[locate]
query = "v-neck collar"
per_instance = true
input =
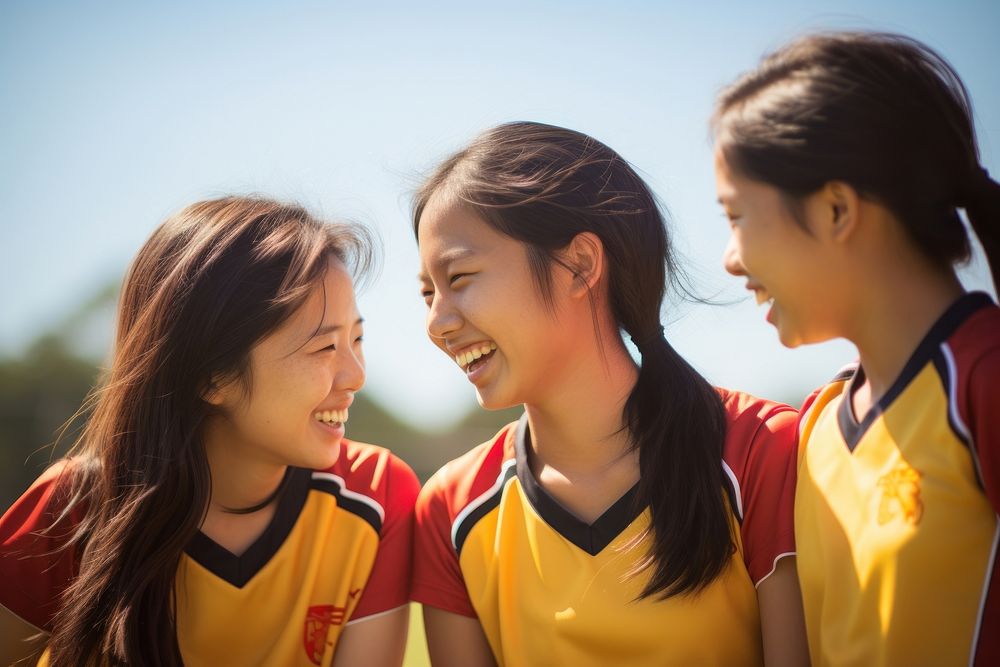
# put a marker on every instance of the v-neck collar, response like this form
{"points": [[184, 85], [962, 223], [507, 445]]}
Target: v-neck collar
{"points": [[238, 570], [957, 313], [591, 538]]}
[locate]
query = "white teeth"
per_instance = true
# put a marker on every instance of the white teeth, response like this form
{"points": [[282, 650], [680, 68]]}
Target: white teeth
{"points": [[331, 416], [762, 296], [467, 357]]}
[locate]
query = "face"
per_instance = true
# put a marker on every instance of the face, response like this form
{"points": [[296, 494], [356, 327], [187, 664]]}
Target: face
{"points": [[785, 264], [304, 377], [485, 312]]}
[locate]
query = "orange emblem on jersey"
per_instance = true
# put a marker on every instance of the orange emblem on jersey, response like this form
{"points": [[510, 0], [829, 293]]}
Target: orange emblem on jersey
{"points": [[318, 622], [900, 493]]}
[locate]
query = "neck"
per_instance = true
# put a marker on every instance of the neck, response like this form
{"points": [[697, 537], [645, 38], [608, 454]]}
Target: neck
{"points": [[895, 317], [579, 429], [238, 479]]}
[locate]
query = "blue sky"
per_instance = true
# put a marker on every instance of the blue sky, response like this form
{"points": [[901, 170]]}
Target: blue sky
{"points": [[116, 114]]}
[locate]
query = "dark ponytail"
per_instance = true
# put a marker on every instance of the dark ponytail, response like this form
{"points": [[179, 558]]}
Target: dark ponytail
{"points": [[881, 112], [981, 201], [544, 185]]}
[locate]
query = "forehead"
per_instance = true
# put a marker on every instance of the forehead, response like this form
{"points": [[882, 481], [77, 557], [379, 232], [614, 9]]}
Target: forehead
{"points": [[330, 302], [723, 175], [730, 185], [449, 231]]}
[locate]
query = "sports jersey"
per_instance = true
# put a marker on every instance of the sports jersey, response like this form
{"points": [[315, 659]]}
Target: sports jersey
{"points": [[896, 514], [549, 589], [337, 551]]}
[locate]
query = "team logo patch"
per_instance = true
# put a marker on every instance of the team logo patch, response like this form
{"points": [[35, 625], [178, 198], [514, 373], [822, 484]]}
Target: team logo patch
{"points": [[900, 495], [318, 622]]}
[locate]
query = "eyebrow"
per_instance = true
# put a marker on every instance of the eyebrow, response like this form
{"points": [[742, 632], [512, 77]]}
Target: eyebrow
{"points": [[331, 328], [446, 258]]}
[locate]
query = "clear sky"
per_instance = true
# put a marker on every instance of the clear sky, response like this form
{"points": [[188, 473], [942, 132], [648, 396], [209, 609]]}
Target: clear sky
{"points": [[114, 115]]}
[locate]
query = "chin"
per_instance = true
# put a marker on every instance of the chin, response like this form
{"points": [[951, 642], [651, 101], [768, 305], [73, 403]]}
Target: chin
{"points": [[490, 402], [322, 459]]}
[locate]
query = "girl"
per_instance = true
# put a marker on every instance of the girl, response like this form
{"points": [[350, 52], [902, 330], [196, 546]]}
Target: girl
{"points": [[840, 163], [212, 513], [635, 514]]}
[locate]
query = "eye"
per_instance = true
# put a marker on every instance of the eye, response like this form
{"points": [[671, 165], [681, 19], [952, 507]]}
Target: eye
{"points": [[428, 296], [456, 277], [332, 347], [359, 339]]}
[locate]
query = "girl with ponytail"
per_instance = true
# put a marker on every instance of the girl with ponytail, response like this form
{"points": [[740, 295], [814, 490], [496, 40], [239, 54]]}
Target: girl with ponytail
{"points": [[635, 514], [842, 162], [212, 512]]}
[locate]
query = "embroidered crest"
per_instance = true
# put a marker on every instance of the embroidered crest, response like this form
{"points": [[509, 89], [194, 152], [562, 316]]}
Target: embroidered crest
{"points": [[318, 621], [900, 495]]}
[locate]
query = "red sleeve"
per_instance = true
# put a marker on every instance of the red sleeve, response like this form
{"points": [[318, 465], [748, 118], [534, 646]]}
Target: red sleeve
{"points": [[437, 577], [980, 407], [34, 567], [978, 404], [766, 473], [389, 582]]}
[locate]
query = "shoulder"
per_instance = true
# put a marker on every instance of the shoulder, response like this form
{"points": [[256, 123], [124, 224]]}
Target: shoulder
{"points": [[970, 370], [760, 445], [462, 481], [372, 476], [37, 556], [975, 344], [42, 505], [748, 417]]}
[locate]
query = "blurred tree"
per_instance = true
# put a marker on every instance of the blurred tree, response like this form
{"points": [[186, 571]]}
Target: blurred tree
{"points": [[38, 394]]}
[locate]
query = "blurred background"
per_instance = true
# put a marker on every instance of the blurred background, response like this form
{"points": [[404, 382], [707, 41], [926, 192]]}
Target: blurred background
{"points": [[116, 114]]}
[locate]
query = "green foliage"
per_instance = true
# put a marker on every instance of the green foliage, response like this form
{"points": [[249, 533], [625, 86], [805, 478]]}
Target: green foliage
{"points": [[39, 392]]}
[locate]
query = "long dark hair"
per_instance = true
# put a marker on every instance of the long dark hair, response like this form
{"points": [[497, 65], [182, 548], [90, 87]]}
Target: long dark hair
{"points": [[543, 185], [881, 112], [208, 284]]}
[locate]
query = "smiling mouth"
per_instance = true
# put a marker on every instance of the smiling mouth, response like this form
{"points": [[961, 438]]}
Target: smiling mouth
{"points": [[475, 357], [331, 417], [762, 296]]}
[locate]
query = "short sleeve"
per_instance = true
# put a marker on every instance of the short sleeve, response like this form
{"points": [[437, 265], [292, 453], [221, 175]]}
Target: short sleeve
{"points": [[980, 406], [35, 565], [389, 582], [437, 577], [767, 486]]}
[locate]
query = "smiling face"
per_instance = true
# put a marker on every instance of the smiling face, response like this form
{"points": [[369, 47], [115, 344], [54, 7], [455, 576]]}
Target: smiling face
{"points": [[785, 264], [303, 379], [485, 311]]}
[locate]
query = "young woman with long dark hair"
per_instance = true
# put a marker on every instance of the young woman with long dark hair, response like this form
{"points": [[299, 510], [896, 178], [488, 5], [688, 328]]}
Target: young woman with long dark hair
{"points": [[842, 162], [636, 515], [212, 512]]}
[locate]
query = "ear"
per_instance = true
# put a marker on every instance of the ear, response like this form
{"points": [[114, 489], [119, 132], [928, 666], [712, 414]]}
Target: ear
{"points": [[835, 212], [216, 393], [584, 256]]}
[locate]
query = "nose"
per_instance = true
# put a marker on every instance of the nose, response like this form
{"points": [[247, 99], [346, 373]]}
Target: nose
{"points": [[443, 318], [731, 259], [350, 373]]}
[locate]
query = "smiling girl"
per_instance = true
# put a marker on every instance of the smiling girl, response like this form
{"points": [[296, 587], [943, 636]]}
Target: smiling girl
{"points": [[636, 514], [212, 512], [841, 162]]}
